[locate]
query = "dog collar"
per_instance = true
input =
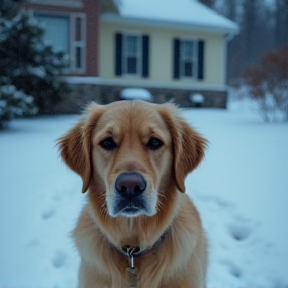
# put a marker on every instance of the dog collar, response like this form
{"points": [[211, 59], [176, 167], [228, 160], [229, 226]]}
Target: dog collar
{"points": [[137, 251]]}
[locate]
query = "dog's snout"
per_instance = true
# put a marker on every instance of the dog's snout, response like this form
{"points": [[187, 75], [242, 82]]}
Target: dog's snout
{"points": [[130, 185]]}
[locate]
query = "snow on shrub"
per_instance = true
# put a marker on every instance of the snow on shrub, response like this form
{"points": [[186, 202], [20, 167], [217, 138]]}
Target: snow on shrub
{"points": [[136, 94], [268, 85], [31, 65], [14, 103]]}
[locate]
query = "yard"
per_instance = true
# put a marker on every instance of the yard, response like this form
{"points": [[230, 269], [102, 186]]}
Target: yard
{"points": [[240, 189]]}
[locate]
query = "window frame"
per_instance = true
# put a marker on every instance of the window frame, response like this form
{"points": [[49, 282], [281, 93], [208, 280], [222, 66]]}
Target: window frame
{"points": [[125, 55], [73, 44], [194, 58]]}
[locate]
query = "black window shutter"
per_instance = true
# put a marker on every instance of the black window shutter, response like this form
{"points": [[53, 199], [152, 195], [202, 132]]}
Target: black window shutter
{"points": [[118, 54], [176, 68], [145, 56], [201, 48]]}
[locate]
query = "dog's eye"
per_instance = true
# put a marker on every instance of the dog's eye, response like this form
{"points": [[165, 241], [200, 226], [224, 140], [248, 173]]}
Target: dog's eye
{"points": [[108, 144], [154, 144]]}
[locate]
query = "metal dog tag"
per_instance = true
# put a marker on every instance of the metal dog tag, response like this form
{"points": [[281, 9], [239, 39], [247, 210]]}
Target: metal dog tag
{"points": [[131, 277], [131, 272]]}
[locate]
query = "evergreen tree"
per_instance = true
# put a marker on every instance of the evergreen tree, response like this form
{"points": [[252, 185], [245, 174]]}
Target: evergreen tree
{"points": [[7, 9], [26, 60], [14, 103]]}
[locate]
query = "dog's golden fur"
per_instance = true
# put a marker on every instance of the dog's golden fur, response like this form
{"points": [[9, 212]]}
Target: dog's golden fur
{"points": [[180, 261]]}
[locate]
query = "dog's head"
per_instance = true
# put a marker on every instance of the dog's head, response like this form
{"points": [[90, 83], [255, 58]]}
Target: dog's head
{"points": [[130, 153]]}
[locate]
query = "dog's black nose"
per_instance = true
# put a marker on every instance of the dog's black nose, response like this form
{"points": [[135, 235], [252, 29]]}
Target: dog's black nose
{"points": [[130, 185]]}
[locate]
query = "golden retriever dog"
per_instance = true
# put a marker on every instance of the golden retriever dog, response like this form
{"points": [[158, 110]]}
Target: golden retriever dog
{"points": [[139, 228]]}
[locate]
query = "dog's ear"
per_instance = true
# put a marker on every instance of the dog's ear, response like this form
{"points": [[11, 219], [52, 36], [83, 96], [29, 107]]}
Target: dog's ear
{"points": [[188, 145], [75, 145]]}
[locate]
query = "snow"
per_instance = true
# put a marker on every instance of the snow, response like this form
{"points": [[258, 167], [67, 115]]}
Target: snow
{"points": [[37, 71], [240, 189], [14, 102], [81, 80], [141, 83], [197, 98], [136, 94], [170, 11]]}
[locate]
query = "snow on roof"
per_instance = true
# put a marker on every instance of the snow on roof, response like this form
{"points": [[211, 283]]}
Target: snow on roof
{"points": [[177, 13]]}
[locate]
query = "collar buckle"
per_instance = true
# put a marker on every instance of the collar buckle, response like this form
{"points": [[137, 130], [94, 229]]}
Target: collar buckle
{"points": [[130, 252]]}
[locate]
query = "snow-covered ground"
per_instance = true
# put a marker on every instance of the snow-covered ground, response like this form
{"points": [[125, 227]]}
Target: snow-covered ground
{"points": [[241, 190]]}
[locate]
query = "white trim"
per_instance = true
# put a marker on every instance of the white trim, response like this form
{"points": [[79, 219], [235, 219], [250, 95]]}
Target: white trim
{"points": [[116, 19], [144, 84]]}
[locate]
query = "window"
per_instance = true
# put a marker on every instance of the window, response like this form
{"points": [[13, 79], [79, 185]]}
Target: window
{"points": [[58, 34], [78, 29], [189, 59], [131, 54], [79, 44], [57, 31]]}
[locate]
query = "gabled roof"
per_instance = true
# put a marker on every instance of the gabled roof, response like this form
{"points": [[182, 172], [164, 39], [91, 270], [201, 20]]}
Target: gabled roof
{"points": [[186, 14]]}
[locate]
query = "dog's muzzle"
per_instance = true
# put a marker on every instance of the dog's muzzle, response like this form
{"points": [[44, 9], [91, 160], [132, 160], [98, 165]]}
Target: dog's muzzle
{"points": [[129, 189]]}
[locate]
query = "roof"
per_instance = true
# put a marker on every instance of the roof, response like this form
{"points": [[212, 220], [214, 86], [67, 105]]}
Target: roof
{"points": [[188, 14]]}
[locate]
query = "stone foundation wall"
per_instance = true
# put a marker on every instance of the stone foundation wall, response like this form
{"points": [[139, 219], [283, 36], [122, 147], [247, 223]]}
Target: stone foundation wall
{"points": [[104, 94]]}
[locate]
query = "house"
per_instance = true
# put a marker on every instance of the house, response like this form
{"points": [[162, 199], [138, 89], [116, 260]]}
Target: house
{"points": [[176, 50]]}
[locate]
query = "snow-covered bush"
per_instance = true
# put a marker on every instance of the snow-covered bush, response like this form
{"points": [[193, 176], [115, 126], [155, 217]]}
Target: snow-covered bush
{"points": [[31, 65], [14, 103], [268, 85]]}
